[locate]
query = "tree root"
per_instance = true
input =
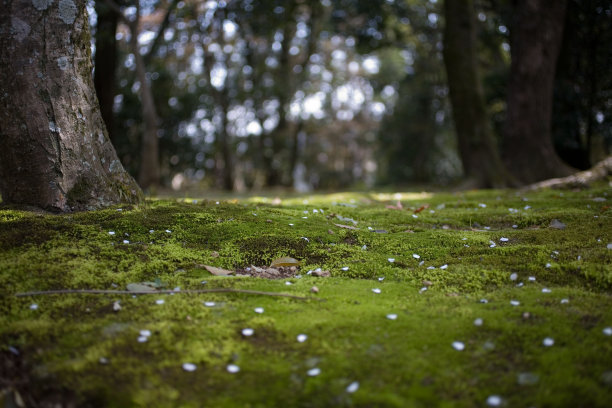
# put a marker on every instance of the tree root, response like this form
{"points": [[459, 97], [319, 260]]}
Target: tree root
{"points": [[580, 180]]}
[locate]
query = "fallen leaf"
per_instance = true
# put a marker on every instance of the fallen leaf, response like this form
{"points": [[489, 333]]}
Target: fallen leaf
{"points": [[398, 206], [218, 271], [346, 226], [140, 287], [284, 261], [421, 208]]}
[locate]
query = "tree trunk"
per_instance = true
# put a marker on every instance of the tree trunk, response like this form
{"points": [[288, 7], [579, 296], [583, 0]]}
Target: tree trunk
{"points": [[105, 63], [55, 150], [535, 40], [481, 161], [149, 174]]}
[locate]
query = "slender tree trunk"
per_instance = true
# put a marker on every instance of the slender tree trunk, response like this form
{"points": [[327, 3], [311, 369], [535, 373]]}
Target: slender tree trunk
{"points": [[105, 64], [149, 174], [55, 150], [535, 40], [481, 161]]}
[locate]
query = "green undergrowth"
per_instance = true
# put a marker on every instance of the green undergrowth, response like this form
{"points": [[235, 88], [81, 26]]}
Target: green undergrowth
{"points": [[440, 261]]}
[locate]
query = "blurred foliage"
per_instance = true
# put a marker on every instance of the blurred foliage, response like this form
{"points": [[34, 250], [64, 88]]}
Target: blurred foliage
{"points": [[337, 93]]}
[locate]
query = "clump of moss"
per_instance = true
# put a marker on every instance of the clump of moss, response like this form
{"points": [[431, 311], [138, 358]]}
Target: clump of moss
{"points": [[477, 255]]}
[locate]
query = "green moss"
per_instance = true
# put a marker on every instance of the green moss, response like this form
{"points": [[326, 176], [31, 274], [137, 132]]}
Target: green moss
{"points": [[404, 362]]}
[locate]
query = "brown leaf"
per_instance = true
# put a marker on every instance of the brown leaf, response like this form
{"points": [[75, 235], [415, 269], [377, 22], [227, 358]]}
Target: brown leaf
{"points": [[285, 261], [346, 226], [218, 271], [421, 208]]}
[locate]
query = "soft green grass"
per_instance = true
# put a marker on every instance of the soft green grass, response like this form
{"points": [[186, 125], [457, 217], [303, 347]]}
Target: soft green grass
{"points": [[405, 362]]}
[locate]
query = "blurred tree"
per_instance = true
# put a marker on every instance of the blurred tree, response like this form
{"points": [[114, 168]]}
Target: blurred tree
{"points": [[581, 113], [535, 38], [477, 146], [56, 153]]}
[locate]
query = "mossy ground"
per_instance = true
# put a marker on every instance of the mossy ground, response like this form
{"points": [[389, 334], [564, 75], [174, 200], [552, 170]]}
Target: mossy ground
{"points": [[53, 353]]}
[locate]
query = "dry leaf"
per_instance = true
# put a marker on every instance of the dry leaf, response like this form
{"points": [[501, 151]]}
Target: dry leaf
{"points": [[285, 261], [346, 226], [218, 271], [421, 208]]}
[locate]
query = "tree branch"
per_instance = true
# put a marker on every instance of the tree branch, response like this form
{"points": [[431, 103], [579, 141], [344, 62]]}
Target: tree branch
{"points": [[160, 32], [157, 292]]}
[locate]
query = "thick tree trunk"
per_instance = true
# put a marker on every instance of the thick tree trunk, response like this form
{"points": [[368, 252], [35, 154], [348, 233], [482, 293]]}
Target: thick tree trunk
{"points": [[55, 150], [477, 147], [105, 63], [535, 40]]}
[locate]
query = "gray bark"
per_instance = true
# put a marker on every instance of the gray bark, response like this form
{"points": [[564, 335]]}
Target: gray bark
{"points": [[55, 153]]}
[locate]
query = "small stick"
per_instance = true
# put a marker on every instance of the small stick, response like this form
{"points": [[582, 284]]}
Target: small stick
{"points": [[157, 292]]}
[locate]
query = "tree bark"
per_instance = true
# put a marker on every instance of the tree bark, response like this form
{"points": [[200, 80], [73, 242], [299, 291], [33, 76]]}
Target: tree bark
{"points": [[55, 153], [477, 147], [535, 40]]}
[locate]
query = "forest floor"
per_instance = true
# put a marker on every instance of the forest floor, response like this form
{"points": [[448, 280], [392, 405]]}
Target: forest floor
{"points": [[482, 298]]}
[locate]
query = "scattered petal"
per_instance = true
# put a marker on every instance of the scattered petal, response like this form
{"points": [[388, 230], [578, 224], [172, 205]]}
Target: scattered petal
{"points": [[459, 346], [504, 239], [288, 283], [376, 290], [145, 333], [392, 316], [484, 301], [548, 265], [345, 268], [248, 332], [365, 247], [515, 302], [548, 341], [116, 306], [313, 372], [143, 339], [482, 205], [416, 256], [556, 224], [492, 244], [209, 304], [527, 379], [391, 260], [445, 266], [232, 368], [168, 231], [478, 322], [302, 338], [494, 401], [352, 387], [607, 331], [111, 232], [513, 276], [546, 290], [33, 306], [189, 367], [423, 289], [382, 278], [103, 360], [532, 279], [125, 241], [314, 289], [259, 310], [160, 301], [564, 301]]}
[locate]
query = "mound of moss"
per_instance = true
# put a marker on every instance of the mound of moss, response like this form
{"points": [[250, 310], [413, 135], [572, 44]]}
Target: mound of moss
{"points": [[484, 298]]}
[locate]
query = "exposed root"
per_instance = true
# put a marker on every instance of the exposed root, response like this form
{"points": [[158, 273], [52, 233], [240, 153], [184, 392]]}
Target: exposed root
{"points": [[580, 180]]}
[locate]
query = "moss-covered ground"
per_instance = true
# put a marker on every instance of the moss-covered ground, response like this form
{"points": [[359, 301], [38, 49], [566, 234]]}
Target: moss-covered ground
{"points": [[492, 304]]}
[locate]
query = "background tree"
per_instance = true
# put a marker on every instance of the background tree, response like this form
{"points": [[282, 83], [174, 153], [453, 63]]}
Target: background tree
{"points": [[56, 153], [477, 146], [535, 39]]}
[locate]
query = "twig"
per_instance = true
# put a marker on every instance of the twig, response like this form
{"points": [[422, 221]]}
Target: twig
{"points": [[157, 292]]}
